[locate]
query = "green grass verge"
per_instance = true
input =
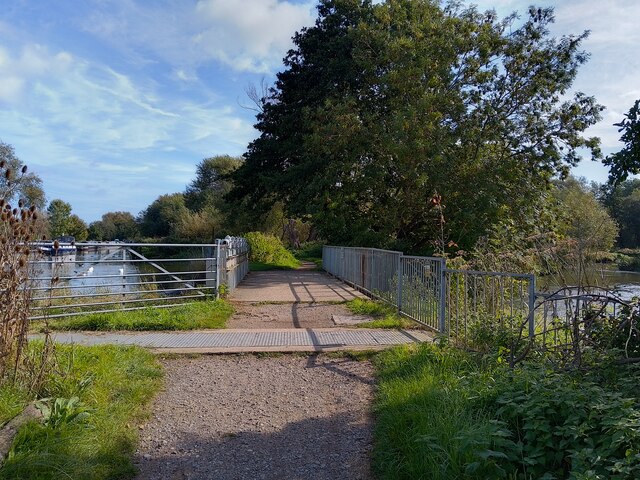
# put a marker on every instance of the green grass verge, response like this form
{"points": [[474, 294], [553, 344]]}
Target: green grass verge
{"points": [[422, 412], [443, 413], [385, 315], [192, 316], [114, 386]]}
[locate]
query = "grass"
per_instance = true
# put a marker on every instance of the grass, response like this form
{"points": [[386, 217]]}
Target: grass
{"points": [[262, 267], [114, 386], [385, 315], [192, 316], [423, 410]]}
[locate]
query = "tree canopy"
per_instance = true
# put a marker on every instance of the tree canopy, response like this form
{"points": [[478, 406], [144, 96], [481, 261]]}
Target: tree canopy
{"points": [[382, 108], [627, 160], [60, 222], [114, 225], [211, 183]]}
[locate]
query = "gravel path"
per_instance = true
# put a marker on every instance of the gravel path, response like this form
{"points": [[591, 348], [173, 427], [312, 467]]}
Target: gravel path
{"points": [[285, 315], [249, 417]]}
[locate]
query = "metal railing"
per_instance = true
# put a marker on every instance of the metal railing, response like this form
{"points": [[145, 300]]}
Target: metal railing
{"points": [[108, 277], [423, 289]]}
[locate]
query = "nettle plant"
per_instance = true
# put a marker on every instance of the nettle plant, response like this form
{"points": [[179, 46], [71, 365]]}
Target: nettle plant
{"points": [[17, 230]]}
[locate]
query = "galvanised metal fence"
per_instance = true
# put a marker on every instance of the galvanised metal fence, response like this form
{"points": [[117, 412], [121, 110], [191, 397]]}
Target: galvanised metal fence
{"points": [[422, 288], [79, 278]]}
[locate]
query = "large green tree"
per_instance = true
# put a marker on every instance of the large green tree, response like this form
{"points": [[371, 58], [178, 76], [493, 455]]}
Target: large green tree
{"points": [[382, 108], [162, 217]]}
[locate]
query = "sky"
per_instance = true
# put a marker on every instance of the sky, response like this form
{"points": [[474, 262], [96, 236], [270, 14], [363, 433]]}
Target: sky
{"points": [[114, 102]]}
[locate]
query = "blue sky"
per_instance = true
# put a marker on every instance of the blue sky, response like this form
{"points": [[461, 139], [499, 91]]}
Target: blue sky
{"points": [[114, 102]]}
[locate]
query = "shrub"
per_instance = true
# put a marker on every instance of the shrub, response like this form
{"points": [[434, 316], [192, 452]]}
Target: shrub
{"points": [[268, 249]]}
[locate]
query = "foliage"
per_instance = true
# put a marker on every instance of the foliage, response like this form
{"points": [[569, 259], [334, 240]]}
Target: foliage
{"points": [[395, 101], [113, 385], [443, 413], [201, 227], [309, 250], [62, 411], [59, 213], [623, 202], [114, 225], [564, 426], [267, 249], [627, 160], [162, 217], [586, 221], [26, 187], [629, 263], [77, 228], [193, 316], [211, 183]]}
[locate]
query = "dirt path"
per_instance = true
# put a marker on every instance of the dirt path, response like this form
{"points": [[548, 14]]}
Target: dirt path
{"points": [[285, 315], [250, 417]]}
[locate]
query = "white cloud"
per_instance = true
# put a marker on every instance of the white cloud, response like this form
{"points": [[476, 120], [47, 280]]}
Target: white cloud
{"points": [[96, 123], [249, 35]]}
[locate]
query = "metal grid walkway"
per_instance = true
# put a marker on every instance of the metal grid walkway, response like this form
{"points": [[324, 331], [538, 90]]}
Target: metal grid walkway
{"points": [[230, 341]]}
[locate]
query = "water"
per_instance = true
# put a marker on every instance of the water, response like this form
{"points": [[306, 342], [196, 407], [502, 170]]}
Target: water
{"points": [[625, 284], [89, 272]]}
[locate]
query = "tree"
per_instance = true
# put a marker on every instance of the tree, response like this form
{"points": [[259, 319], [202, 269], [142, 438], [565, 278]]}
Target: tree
{"points": [[621, 200], [587, 222], [161, 218], [627, 160], [119, 225], [211, 182], [28, 186], [59, 213], [629, 220], [383, 106], [77, 228]]}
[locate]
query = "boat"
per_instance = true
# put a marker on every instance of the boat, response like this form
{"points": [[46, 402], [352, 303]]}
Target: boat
{"points": [[66, 246]]}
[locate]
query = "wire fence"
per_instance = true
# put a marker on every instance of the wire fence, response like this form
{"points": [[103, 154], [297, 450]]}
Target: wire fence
{"points": [[74, 279]]}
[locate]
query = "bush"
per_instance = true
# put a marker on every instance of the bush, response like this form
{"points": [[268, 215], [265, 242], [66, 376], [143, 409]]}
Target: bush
{"points": [[629, 263], [444, 413], [267, 249]]}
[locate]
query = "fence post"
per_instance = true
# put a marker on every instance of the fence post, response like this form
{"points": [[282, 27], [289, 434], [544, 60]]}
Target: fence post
{"points": [[442, 311], [532, 306], [400, 276], [219, 265]]}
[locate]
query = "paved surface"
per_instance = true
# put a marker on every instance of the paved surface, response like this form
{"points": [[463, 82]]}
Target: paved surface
{"points": [[268, 340], [292, 286]]}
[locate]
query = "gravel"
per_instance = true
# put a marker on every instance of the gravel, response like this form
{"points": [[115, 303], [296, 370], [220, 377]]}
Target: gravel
{"points": [[285, 315], [252, 417]]}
